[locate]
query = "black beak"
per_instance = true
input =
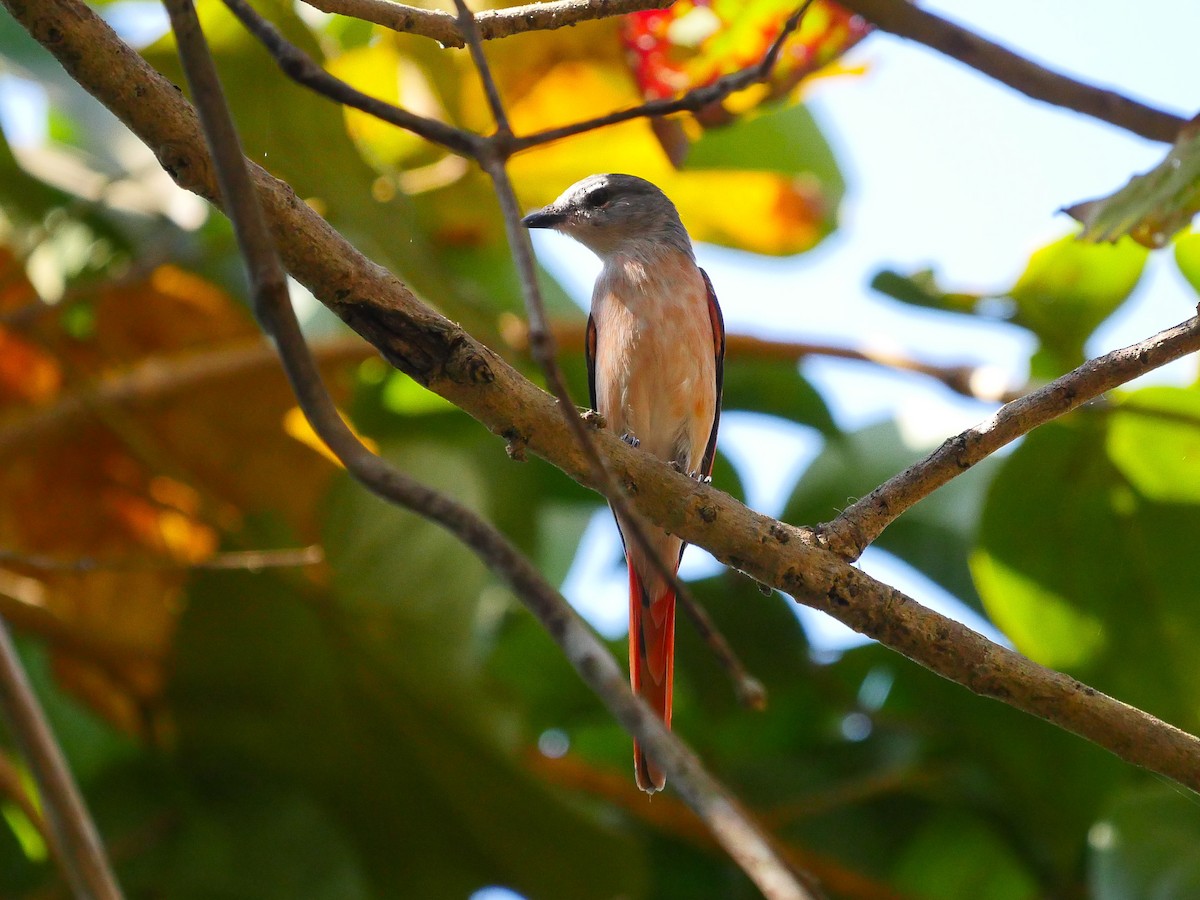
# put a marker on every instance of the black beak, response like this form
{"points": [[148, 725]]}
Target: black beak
{"points": [[542, 219]]}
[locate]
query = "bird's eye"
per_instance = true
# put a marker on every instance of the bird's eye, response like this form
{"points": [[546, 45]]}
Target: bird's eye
{"points": [[598, 198]]}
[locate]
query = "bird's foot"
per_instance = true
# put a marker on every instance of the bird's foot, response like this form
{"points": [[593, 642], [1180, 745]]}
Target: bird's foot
{"points": [[695, 476], [628, 438]]}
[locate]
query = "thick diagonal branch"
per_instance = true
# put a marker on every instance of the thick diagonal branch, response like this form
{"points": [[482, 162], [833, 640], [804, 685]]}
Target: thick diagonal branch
{"points": [[448, 361]]}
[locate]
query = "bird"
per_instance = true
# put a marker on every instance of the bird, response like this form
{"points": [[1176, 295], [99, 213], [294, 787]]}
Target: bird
{"points": [[655, 347]]}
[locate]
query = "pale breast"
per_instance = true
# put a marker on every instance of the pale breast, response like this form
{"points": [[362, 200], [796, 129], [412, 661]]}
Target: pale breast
{"points": [[655, 362]]}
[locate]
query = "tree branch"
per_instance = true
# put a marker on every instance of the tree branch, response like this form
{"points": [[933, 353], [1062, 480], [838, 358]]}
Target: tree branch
{"points": [[863, 521], [742, 839], [976, 382], [155, 378], [234, 560], [906, 20], [74, 839], [448, 361], [493, 23]]}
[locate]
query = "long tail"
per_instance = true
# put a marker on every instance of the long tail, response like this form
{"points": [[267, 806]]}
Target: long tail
{"points": [[651, 665]]}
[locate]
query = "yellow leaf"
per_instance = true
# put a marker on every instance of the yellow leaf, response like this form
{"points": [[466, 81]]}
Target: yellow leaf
{"points": [[296, 426], [380, 70], [763, 212]]}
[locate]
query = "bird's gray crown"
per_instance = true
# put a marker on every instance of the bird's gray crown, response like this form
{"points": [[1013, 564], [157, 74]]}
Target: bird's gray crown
{"points": [[615, 214]]}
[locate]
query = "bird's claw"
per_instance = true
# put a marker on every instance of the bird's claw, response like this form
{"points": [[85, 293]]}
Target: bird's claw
{"points": [[630, 440], [695, 476]]}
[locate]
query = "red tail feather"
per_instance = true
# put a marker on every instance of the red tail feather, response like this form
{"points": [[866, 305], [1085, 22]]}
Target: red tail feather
{"points": [[651, 665]]}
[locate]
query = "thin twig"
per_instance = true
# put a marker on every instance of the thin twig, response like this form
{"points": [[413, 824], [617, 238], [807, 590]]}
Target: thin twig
{"points": [[449, 362], [158, 377], [693, 101], [234, 560], [493, 23], [468, 27], [748, 846], [301, 68], [75, 842], [863, 521], [907, 20]]}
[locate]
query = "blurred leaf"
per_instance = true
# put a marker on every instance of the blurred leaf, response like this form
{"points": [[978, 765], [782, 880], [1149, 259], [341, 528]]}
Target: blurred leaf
{"points": [[934, 536], [1152, 206], [1187, 257], [378, 68], [323, 694], [980, 865], [1069, 288], [785, 140], [250, 839], [23, 197], [921, 289], [383, 554], [1145, 845], [693, 43], [162, 477], [1085, 574], [777, 388], [1154, 440], [1036, 791]]}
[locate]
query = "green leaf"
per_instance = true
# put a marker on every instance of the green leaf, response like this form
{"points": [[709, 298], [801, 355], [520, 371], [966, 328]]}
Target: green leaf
{"points": [[1084, 573], [1068, 288], [786, 139], [922, 289], [1187, 257], [777, 388], [934, 536], [1153, 205], [980, 866], [382, 554], [932, 758], [1146, 845], [1154, 440], [280, 685], [250, 839]]}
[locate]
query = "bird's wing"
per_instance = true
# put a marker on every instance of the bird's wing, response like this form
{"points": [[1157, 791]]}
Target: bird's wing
{"points": [[718, 332], [589, 349]]}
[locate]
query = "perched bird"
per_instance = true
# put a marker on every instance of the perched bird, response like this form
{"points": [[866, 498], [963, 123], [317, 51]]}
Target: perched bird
{"points": [[655, 353]]}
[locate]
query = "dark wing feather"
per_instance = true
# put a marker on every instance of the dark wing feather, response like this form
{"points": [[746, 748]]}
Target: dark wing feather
{"points": [[718, 331], [589, 350]]}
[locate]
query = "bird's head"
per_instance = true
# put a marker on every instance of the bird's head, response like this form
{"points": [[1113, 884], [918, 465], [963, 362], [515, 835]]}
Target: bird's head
{"points": [[615, 214]]}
